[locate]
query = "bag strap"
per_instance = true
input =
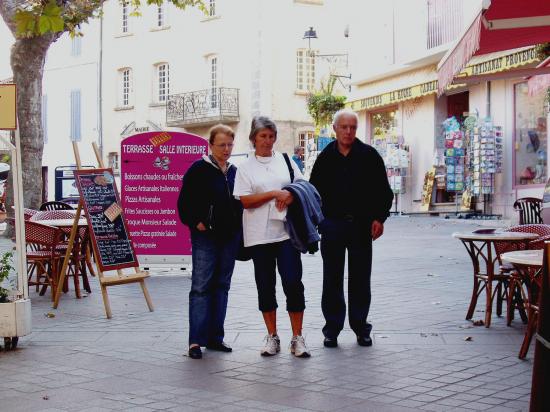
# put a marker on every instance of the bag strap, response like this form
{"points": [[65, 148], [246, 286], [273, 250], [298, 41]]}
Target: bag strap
{"points": [[290, 169]]}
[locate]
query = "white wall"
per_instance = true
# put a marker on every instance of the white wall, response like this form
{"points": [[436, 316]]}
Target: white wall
{"points": [[6, 40], [62, 74]]}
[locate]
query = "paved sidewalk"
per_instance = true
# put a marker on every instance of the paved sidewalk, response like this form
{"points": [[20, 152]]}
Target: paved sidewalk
{"points": [[422, 280]]}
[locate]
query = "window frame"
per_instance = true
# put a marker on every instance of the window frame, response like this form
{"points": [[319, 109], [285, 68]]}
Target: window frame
{"points": [[125, 18], [305, 70], [162, 82]]}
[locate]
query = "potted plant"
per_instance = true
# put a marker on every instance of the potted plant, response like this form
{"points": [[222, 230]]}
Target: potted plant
{"points": [[323, 103], [15, 314]]}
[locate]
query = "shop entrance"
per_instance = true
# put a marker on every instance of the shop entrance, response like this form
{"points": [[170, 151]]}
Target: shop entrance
{"points": [[457, 105]]}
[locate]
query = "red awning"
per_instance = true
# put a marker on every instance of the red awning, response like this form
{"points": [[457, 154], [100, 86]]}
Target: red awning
{"points": [[500, 25]]}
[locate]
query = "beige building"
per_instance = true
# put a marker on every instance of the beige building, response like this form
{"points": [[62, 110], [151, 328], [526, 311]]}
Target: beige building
{"points": [[186, 71]]}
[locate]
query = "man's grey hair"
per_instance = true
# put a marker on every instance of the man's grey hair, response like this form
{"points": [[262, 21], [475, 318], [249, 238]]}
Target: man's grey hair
{"points": [[259, 123], [343, 112], [298, 149]]}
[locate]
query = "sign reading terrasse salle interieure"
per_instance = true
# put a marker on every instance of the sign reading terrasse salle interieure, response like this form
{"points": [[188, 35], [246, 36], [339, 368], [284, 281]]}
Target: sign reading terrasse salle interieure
{"points": [[152, 168]]}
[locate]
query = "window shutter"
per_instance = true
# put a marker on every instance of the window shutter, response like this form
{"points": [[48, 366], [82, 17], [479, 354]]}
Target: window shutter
{"points": [[75, 116]]}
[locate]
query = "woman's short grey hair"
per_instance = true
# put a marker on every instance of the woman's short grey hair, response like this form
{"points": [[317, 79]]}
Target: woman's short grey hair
{"points": [[344, 112], [259, 123]]}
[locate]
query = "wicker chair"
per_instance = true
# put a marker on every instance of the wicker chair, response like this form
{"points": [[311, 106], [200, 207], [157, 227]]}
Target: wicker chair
{"points": [[515, 293], [43, 255], [529, 209], [55, 205], [82, 261]]}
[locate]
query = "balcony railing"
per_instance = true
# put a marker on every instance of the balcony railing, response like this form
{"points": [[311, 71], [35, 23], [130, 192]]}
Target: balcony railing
{"points": [[445, 21], [203, 107]]}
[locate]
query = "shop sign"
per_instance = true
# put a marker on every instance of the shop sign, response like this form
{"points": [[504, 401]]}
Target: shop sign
{"points": [[152, 168], [8, 105], [395, 96], [502, 63], [495, 65]]}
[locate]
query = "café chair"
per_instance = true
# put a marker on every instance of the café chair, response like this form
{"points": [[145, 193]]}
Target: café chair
{"points": [[55, 205], [81, 259], [514, 292], [43, 255], [529, 209]]}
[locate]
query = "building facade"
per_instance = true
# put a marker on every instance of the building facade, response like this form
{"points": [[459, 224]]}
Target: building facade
{"points": [[397, 103], [187, 71]]}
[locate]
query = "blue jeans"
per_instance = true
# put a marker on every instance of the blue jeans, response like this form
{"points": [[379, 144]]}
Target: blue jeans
{"points": [[337, 236], [213, 263], [287, 259]]}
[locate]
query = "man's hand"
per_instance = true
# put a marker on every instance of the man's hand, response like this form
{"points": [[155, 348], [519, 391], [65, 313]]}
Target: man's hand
{"points": [[377, 229], [201, 227]]}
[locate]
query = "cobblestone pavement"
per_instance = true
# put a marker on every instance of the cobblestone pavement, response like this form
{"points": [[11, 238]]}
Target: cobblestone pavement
{"points": [[420, 360]]}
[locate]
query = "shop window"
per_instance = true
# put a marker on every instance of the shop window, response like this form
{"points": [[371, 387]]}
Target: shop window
{"points": [[530, 137]]}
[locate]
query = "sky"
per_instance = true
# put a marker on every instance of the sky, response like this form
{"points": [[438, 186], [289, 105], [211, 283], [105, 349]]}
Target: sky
{"points": [[6, 40]]}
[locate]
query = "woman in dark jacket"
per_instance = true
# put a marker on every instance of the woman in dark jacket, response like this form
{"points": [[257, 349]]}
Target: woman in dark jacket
{"points": [[214, 217]]}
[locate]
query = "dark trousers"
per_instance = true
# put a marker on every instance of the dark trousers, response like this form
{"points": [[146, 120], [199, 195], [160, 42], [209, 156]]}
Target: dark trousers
{"points": [[286, 258], [339, 235], [213, 264]]}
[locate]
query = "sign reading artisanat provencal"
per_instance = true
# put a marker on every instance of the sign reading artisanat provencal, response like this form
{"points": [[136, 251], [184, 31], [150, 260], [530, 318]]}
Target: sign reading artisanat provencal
{"points": [[495, 65]]}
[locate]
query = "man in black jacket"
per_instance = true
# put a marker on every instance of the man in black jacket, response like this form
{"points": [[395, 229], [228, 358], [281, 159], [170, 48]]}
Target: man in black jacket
{"points": [[351, 179]]}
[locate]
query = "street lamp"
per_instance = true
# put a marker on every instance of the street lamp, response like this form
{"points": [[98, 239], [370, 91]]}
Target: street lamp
{"points": [[312, 34]]}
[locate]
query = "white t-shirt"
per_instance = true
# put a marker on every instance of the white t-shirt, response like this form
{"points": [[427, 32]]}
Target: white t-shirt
{"points": [[263, 224]]}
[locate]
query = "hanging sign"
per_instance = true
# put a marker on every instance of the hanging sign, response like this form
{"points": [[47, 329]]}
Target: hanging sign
{"points": [[8, 107], [152, 168]]}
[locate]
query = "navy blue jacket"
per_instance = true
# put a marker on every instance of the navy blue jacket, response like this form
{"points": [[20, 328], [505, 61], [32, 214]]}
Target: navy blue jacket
{"points": [[303, 216], [207, 196]]}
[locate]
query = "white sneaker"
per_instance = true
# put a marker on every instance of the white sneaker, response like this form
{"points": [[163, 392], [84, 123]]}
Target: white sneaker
{"points": [[272, 345], [298, 347]]}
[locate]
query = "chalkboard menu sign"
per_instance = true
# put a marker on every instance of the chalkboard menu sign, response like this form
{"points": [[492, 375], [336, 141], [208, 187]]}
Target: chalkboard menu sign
{"points": [[109, 232]]}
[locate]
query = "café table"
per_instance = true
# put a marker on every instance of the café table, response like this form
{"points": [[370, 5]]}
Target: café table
{"points": [[528, 264], [480, 245], [66, 225]]}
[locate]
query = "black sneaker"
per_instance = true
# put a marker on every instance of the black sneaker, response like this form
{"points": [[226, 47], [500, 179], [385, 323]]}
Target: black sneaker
{"points": [[330, 342], [219, 346], [195, 352]]}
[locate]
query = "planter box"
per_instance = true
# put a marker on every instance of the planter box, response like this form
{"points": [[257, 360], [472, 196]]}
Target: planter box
{"points": [[15, 318]]}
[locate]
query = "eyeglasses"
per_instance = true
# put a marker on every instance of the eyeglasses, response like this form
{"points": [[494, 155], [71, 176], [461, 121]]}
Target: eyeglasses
{"points": [[224, 145]]}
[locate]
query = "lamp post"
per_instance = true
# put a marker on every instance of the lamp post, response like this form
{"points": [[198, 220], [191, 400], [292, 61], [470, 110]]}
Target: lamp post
{"points": [[312, 34]]}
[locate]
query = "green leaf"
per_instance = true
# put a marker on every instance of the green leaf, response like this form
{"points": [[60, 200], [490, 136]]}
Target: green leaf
{"points": [[25, 22], [44, 24], [51, 10]]}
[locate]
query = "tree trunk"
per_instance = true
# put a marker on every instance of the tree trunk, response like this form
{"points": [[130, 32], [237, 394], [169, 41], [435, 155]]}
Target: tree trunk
{"points": [[27, 62]]}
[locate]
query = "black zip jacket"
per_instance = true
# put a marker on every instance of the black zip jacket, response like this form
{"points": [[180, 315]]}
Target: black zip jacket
{"points": [[207, 196], [353, 186]]}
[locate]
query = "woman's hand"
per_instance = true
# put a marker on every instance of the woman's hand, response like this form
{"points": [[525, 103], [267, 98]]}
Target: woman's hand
{"points": [[283, 198], [201, 227]]}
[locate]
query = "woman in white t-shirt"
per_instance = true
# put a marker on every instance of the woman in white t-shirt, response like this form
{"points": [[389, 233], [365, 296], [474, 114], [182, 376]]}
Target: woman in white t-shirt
{"points": [[258, 185]]}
